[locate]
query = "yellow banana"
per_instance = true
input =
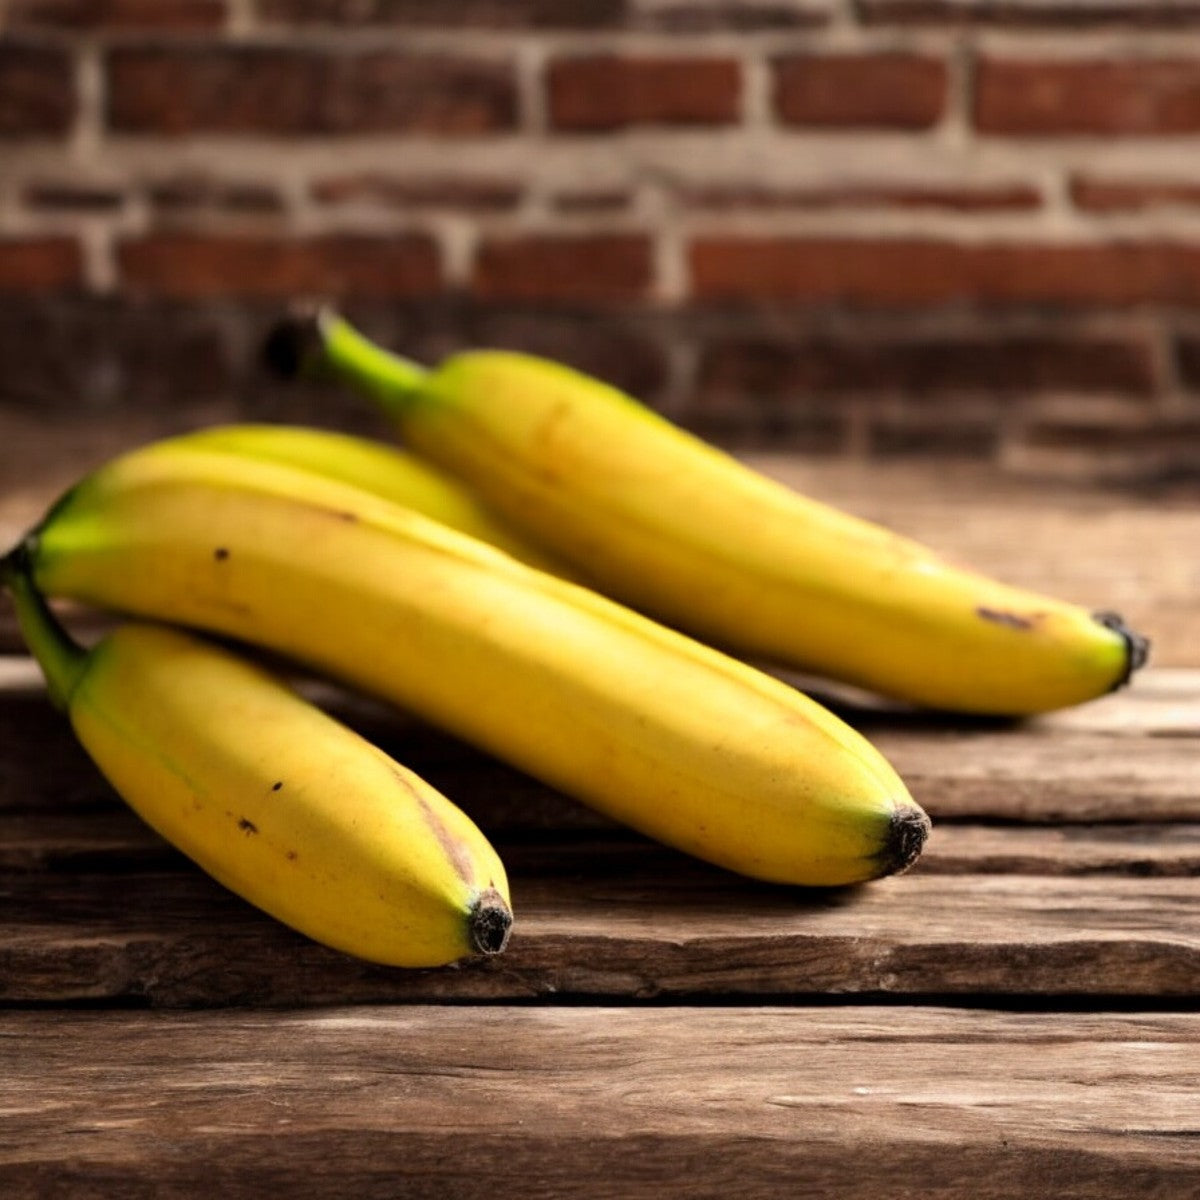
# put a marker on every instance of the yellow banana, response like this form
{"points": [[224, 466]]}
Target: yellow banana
{"points": [[272, 797], [675, 527], [377, 468], [652, 728]]}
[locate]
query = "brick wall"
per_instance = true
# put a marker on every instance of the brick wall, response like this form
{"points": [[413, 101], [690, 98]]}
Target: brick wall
{"points": [[867, 227]]}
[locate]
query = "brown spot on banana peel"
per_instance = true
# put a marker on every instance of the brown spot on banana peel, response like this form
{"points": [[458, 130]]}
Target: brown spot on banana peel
{"points": [[1137, 647], [1010, 620], [247, 826], [489, 922], [455, 851], [460, 860], [907, 832]]}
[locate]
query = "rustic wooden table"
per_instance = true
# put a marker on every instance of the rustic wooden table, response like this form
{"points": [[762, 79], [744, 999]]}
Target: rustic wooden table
{"points": [[1017, 1016]]}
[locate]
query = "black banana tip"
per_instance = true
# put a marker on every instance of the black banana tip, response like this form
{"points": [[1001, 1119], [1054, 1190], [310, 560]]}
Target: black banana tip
{"points": [[489, 923], [1137, 647], [294, 343], [906, 837]]}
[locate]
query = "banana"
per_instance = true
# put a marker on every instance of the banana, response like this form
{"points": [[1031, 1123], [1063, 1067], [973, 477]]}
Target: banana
{"points": [[377, 468], [674, 527], [671, 737], [272, 797]]}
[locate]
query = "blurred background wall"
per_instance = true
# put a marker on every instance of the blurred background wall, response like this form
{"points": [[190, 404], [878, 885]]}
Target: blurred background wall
{"points": [[877, 228]]}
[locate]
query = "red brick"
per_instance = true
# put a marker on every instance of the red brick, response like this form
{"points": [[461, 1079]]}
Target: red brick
{"points": [[592, 200], [82, 356], [201, 266], [949, 437], [65, 195], [685, 16], [292, 90], [601, 267], [741, 16], [1094, 96], [610, 92], [918, 272], [397, 191], [1031, 13], [893, 91], [37, 90], [747, 429], [118, 14], [948, 197], [1149, 435], [1187, 355], [1128, 195], [930, 367], [472, 14], [40, 264], [184, 194]]}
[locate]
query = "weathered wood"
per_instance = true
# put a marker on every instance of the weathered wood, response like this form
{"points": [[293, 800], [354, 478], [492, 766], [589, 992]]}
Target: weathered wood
{"points": [[859, 1103], [1031, 776], [1117, 849], [592, 920], [118, 841]]}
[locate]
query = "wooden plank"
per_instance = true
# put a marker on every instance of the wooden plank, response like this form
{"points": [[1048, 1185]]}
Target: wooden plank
{"points": [[859, 1103], [1139, 764], [118, 841], [1116, 849], [589, 922], [1029, 776]]}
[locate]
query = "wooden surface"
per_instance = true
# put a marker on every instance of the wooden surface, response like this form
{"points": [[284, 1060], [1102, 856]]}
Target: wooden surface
{"points": [[1015, 1017], [850, 1102]]}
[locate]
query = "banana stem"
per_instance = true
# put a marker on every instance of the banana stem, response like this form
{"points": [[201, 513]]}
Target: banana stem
{"points": [[392, 381], [63, 660]]}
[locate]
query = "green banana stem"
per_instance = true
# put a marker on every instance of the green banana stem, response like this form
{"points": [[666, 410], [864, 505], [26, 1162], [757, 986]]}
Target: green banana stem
{"points": [[392, 381], [63, 660]]}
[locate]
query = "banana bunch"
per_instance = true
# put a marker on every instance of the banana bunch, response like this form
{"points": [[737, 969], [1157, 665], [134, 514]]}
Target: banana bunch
{"points": [[273, 798], [654, 729], [450, 584], [675, 528]]}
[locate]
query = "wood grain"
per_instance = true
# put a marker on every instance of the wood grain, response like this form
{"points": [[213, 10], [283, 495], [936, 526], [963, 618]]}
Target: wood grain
{"points": [[600, 1102], [600, 921], [117, 841]]}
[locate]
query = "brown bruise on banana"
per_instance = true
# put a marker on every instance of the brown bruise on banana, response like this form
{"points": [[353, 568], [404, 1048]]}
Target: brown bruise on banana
{"points": [[455, 851], [220, 554], [1010, 620], [247, 826]]}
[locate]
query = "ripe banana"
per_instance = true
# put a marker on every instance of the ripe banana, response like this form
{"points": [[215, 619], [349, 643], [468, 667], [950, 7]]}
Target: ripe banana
{"points": [[674, 527], [654, 729], [377, 468], [272, 797]]}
